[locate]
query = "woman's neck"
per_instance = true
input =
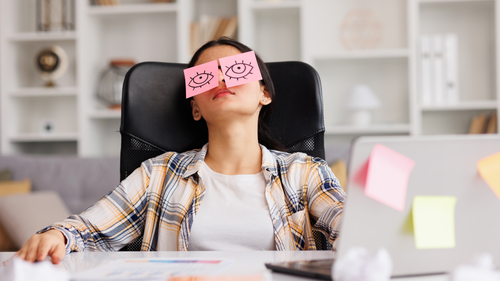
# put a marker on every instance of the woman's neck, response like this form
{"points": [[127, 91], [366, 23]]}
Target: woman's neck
{"points": [[233, 149]]}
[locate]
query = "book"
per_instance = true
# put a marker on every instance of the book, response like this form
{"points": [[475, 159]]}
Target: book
{"points": [[195, 37], [211, 28], [231, 28], [492, 126], [478, 124], [220, 28], [438, 68], [451, 94], [426, 70]]}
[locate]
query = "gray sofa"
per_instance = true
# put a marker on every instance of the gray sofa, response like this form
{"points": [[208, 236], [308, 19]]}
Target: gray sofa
{"points": [[79, 181]]}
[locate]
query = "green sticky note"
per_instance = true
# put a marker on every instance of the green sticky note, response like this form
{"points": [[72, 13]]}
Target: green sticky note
{"points": [[434, 221]]}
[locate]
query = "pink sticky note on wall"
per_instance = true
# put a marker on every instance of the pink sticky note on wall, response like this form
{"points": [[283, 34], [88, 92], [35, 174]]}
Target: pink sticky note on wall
{"points": [[387, 177], [201, 78], [240, 69], [489, 169]]}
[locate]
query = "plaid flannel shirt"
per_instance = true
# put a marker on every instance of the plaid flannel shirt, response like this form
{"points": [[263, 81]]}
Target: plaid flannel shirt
{"points": [[159, 201]]}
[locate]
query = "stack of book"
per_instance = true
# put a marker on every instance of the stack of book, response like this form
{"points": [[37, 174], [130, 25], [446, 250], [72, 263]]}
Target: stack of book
{"points": [[116, 2], [211, 28], [438, 71], [105, 2], [483, 124]]}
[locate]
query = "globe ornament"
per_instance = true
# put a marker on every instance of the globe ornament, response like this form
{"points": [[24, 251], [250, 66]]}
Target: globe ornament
{"points": [[52, 62]]}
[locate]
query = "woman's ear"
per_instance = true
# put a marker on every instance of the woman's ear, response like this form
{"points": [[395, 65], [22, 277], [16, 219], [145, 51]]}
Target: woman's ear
{"points": [[195, 110], [266, 98]]}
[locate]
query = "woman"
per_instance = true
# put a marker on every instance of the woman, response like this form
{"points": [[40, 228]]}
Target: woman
{"points": [[233, 194]]}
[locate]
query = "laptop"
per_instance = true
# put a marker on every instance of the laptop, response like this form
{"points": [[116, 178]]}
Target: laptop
{"points": [[444, 166]]}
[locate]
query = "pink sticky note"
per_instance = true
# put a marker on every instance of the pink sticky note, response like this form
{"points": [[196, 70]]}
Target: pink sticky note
{"points": [[201, 78], [240, 69], [387, 178], [489, 169]]}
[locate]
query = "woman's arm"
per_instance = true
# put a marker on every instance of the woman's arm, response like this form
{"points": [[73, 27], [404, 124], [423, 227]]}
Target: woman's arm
{"points": [[114, 221], [325, 199]]}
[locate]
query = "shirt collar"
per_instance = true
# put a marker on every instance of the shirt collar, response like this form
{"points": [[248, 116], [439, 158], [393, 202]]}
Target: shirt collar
{"points": [[269, 161], [195, 164]]}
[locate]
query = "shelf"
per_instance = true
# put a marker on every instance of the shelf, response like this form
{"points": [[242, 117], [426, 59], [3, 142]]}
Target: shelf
{"points": [[44, 138], [464, 105], [366, 54], [133, 9], [44, 92], [276, 4], [451, 1], [372, 129], [106, 114], [42, 36]]}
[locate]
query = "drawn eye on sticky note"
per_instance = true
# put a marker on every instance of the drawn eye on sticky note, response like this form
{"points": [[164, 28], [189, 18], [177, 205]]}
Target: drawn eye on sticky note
{"points": [[240, 69], [434, 221], [201, 78], [387, 176]]}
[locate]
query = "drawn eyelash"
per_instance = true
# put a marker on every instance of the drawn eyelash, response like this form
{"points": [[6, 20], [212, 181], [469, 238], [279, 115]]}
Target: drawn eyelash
{"points": [[239, 70], [200, 80]]}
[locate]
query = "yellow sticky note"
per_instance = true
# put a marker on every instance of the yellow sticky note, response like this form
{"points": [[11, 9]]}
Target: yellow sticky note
{"points": [[489, 169], [434, 221]]}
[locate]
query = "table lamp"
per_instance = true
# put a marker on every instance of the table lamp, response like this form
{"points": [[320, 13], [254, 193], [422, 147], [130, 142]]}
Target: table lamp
{"points": [[361, 100]]}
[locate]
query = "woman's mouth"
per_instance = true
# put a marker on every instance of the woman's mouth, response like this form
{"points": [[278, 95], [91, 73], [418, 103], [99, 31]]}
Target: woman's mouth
{"points": [[222, 93]]}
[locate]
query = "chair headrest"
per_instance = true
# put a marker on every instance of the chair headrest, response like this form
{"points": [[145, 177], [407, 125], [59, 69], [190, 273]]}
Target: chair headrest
{"points": [[155, 110]]}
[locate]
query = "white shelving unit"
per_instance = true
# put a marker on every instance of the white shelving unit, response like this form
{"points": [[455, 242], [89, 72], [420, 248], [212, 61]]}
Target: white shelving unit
{"points": [[272, 28], [306, 30], [476, 24], [342, 67]]}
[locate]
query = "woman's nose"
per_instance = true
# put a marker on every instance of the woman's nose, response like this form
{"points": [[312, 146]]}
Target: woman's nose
{"points": [[221, 75]]}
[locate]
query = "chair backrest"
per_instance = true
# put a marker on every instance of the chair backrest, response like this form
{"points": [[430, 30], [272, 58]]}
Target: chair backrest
{"points": [[157, 118]]}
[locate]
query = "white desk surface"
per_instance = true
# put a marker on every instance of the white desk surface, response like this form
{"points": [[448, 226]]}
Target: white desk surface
{"points": [[250, 262]]}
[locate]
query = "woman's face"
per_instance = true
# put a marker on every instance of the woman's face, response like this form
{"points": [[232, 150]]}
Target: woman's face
{"points": [[220, 103]]}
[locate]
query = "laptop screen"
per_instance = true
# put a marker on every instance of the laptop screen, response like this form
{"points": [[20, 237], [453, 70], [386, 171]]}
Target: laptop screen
{"points": [[443, 166]]}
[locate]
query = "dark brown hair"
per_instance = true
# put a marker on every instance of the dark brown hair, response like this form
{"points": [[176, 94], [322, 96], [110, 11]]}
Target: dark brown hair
{"points": [[265, 137]]}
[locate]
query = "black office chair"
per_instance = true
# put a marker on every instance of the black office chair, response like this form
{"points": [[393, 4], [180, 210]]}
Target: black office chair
{"points": [[157, 118]]}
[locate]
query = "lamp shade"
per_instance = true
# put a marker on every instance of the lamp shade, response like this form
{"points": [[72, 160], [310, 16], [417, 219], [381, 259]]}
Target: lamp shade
{"points": [[362, 97]]}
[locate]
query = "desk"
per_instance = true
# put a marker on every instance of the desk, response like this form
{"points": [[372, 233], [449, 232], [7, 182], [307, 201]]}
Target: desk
{"points": [[250, 262]]}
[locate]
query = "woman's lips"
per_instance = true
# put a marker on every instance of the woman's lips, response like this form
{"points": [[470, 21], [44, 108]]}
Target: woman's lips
{"points": [[222, 93]]}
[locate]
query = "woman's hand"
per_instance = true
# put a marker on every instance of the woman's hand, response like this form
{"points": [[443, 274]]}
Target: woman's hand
{"points": [[39, 246]]}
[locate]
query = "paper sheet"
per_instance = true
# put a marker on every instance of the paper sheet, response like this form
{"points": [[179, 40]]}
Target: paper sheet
{"points": [[434, 221], [387, 177], [489, 169], [152, 269], [17, 269]]}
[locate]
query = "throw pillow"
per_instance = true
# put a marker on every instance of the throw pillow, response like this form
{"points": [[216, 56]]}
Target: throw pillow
{"points": [[14, 187], [339, 169]]}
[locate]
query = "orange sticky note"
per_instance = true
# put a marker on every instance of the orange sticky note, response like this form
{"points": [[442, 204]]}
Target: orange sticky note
{"points": [[387, 177], [489, 169]]}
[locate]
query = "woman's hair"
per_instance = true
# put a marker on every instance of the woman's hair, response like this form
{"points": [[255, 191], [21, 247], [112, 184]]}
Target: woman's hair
{"points": [[265, 137]]}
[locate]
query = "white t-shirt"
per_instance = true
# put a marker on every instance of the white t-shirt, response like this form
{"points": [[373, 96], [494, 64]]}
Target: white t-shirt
{"points": [[234, 214]]}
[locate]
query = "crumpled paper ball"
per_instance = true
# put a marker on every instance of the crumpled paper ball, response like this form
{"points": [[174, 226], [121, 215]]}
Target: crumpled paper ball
{"points": [[17, 269], [359, 265], [480, 268]]}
